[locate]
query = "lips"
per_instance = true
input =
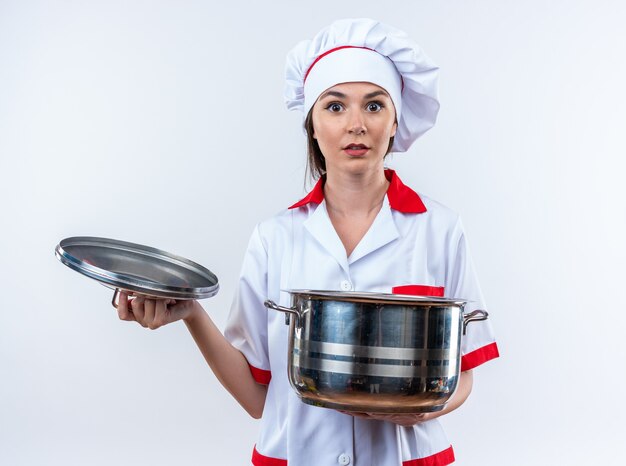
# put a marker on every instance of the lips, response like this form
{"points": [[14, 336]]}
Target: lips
{"points": [[356, 149]]}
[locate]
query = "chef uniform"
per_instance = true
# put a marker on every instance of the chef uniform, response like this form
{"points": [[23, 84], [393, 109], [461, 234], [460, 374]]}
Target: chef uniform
{"points": [[414, 246]]}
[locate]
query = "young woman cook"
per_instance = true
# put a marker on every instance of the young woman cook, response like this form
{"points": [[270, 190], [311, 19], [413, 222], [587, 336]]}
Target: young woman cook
{"points": [[364, 89]]}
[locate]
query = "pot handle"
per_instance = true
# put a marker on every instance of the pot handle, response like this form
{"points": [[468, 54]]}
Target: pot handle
{"points": [[287, 310], [116, 298], [474, 316]]}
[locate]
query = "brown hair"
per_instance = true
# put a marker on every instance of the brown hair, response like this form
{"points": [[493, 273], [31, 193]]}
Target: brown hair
{"points": [[316, 163]]}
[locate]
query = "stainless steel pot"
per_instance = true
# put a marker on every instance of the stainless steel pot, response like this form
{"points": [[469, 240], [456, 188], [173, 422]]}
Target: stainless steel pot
{"points": [[374, 352]]}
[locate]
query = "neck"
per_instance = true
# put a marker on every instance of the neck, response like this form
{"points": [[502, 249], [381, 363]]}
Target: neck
{"points": [[349, 194]]}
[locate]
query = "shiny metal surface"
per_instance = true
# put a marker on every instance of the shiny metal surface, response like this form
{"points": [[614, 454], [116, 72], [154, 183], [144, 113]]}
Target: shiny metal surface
{"points": [[137, 269], [354, 352], [364, 296]]}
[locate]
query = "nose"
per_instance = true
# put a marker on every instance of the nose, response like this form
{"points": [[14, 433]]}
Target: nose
{"points": [[356, 123]]}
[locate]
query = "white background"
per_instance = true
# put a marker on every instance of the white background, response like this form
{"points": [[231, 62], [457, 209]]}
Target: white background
{"points": [[162, 122]]}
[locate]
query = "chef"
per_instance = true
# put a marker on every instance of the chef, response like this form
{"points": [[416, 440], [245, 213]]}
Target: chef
{"points": [[365, 89]]}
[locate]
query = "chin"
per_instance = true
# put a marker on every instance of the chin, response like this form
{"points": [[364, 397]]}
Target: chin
{"points": [[361, 167]]}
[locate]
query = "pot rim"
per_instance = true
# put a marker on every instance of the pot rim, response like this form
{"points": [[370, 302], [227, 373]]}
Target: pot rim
{"points": [[378, 298]]}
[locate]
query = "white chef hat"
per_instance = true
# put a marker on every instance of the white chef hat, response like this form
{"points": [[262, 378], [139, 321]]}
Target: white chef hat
{"points": [[364, 50]]}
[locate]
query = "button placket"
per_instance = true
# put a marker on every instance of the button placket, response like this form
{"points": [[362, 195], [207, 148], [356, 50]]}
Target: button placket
{"points": [[345, 285]]}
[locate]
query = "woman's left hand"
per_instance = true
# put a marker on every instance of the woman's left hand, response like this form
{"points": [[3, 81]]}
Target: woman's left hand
{"points": [[404, 420]]}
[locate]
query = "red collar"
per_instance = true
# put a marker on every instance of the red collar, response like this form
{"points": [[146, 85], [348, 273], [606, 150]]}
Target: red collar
{"points": [[401, 197]]}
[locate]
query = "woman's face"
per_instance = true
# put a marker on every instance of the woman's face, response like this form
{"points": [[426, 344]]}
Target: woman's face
{"points": [[353, 123]]}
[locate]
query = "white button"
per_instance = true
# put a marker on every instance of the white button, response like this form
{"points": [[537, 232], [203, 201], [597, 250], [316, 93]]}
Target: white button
{"points": [[343, 459], [346, 286]]}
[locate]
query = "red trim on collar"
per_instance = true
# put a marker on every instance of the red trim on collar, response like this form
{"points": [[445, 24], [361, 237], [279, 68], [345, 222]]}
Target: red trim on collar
{"points": [[316, 196], [401, 197]]}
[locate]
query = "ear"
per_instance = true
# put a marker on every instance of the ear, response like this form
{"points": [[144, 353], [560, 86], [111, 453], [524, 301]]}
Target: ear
{"points": [[394, 128]]}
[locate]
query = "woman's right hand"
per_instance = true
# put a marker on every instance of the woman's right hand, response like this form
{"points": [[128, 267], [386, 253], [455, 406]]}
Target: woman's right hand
{"points": [[154, 313]]}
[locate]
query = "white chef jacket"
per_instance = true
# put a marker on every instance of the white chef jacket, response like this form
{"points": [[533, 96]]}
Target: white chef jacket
{"points": [[414, 243]]}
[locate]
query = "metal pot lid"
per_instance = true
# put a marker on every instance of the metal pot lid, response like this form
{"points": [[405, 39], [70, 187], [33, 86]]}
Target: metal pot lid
{"points": [[137, 268], [372, 297]]}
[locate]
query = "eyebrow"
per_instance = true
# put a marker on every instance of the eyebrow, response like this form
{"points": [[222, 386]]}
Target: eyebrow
{"points": [[341, 95], [374, 94]]}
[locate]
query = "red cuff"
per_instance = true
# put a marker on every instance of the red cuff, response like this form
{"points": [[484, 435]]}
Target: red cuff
{"points": [[438, 459], [480, 356], [260, 375], [260, 460], [441, 458]]}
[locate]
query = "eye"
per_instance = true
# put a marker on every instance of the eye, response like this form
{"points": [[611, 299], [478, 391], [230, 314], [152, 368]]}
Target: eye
{"points": [[374, 107], [334, 107]]}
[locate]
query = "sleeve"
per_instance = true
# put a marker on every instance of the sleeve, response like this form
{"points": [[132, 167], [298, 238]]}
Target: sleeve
{"points": [[246, 327], [478, 345]]}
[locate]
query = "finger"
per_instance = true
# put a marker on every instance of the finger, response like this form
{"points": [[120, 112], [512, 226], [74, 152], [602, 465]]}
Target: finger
{"points": [[137, 309], [122, 304], [404, 421], [407, 420], [123, 310], [169, 303], [356, 414], [163, 314], [149, 307]]}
